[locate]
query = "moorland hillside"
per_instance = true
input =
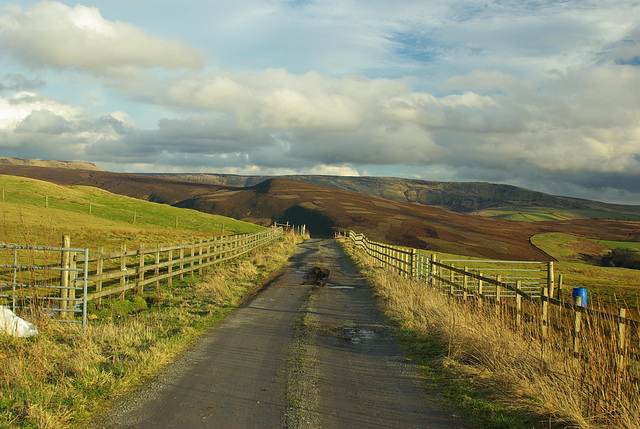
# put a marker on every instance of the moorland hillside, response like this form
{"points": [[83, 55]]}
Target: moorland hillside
{"points": [[325, 210]]}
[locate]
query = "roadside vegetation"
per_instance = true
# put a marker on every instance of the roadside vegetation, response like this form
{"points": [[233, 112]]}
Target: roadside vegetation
{"points": [[62, 377], [502, 377]]}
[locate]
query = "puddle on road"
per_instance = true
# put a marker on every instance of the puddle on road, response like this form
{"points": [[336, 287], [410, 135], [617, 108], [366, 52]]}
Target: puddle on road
{"points": [[340, 287], [357, 335]]}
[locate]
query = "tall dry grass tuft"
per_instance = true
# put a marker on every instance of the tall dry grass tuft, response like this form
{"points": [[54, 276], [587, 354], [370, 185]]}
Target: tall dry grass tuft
{"points": [[213, 286], [522, 368]]}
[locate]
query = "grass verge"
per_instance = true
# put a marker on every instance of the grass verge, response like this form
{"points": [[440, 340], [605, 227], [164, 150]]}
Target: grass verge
{"points": [[61, 377]]}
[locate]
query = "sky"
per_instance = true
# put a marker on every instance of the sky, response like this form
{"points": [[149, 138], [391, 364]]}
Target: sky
{"points": [[542, 94]]}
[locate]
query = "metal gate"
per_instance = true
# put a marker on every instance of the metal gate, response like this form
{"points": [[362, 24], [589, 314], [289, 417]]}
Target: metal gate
{"points": [[38, 281]]}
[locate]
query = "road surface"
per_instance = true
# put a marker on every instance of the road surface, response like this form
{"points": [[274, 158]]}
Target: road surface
{"points": [[298, 355]]}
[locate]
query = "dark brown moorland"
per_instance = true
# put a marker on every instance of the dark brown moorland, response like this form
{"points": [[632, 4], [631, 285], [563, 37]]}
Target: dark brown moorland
{"points": [[325, 210]]}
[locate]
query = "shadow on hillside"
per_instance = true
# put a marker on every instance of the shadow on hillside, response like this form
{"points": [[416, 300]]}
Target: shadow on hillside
{"points": [[318, 225]]}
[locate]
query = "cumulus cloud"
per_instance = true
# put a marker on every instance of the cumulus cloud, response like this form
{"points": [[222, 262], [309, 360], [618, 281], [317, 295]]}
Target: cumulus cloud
{"points": [[274, 99], [36, 126], [51, 34]]}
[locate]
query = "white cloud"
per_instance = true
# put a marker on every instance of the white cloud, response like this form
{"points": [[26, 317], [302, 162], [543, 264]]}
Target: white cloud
{"points": [[333, 170], [51, 34], [15, 108], [36, 126], [273, 99]]}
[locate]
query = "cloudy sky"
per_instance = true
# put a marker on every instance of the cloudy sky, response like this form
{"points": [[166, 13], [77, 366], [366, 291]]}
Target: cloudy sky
{"points": [[543, 94]]}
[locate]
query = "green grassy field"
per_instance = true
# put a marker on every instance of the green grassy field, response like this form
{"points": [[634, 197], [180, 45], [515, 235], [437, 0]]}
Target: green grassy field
{"points": [[38, 212], [622, 245], [537, 214], [576, 261]]}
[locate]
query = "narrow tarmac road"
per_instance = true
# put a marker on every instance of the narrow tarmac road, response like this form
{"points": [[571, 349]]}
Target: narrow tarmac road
{"points": [[297, 356]]}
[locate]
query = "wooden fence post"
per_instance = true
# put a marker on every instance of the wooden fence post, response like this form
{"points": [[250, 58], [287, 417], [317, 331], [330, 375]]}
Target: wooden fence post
{"points": [[64, 276], [216, 248], [433, 270], [518, 305], [157, 270], [465, 283], [123, 269], [560, 287], [193, 262], [545, 311], [480, 290], [451, 279], [200, 271], [182, 261], [208, 255], [498, 295], [550, 277], [141, 256], [577, 326], [170, 280], [622, 328]]}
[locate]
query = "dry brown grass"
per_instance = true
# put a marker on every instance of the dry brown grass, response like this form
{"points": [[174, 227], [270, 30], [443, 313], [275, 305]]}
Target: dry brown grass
{"points": [[515, 367], [60, 378]]}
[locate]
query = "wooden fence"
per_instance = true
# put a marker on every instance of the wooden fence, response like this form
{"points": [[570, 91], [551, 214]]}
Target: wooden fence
{"points": [[525, 293], [66, 283]]}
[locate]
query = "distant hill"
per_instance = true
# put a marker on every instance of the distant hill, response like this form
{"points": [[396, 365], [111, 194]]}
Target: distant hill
{"points": [[325, 210], [481, 198], [76, 165]]}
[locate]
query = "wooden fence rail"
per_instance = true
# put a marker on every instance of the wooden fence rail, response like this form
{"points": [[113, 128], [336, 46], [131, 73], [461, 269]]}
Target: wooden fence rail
{"points": [[76, 277], [117, 272], [533, 305]]}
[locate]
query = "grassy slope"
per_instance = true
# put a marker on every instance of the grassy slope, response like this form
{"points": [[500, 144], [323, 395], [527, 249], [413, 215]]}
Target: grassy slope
{"points": [[60, 378], [575, 258], [25, 219]]}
